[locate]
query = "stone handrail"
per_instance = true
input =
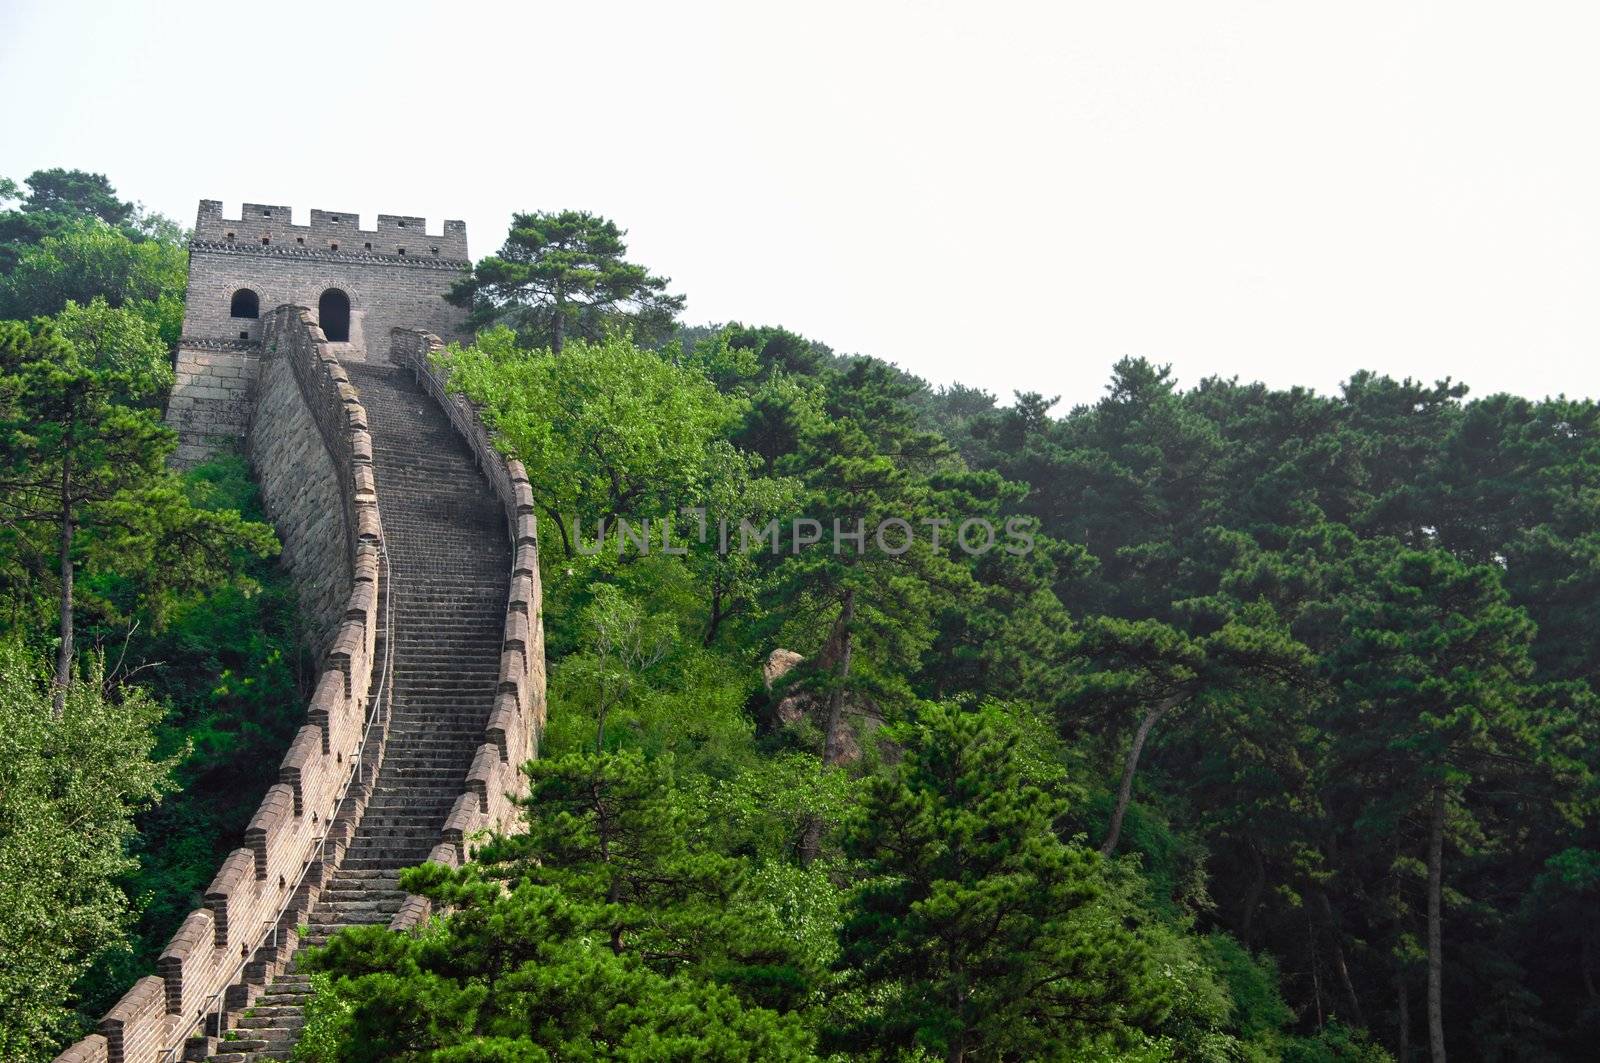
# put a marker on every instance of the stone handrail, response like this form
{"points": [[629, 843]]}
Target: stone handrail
{"points": [[245, 932], [495, 781]]}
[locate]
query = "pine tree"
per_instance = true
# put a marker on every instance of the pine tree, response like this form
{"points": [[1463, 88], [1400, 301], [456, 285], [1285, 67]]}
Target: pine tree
{"points": [[977, 935], [562, 275]]}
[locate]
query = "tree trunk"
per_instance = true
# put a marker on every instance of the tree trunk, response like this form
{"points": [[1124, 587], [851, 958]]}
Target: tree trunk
{"points": [[811, 837], [560, 322], [64, 650], [1316, 969], [716, 618], [600, 723], [1252, 897], [831, 752], [1404, 1050], [1125, 791], [566, 540], [1436, 927], [1339, 965]]}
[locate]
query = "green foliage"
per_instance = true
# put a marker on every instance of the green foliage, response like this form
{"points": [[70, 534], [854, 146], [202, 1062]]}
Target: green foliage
{"points": [[70, 787], [83, 472], [233, 671], [1317, 670], [562, 276], [606, 429], [57, 200], [328, 1017], [609, 931], [638, 682], [978, 931], [695, 838], [191, 680], [121, 342], [74, 192], [93, 260]]}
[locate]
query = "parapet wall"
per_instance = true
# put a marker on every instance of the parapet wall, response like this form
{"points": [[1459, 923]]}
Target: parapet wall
{"points": [[303, 495], [395, 234], [245, 932], [495, 781]]}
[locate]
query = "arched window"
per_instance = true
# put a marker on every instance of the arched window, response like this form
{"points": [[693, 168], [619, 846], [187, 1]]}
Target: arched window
{"points": [[333, 312], [246, 303]]}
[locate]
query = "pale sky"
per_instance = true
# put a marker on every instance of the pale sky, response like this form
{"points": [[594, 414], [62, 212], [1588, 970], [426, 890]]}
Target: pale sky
{"points": [[1013, 195]]}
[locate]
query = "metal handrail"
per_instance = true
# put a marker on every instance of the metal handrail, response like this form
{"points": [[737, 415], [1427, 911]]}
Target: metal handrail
{"points": [[171, 1054]]}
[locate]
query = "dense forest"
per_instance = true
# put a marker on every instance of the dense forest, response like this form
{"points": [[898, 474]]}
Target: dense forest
{"points": [[1262, 729]]}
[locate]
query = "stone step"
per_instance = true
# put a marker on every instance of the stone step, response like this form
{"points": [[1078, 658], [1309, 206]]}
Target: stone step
{"points": [[449, 568], [275, 1025]]}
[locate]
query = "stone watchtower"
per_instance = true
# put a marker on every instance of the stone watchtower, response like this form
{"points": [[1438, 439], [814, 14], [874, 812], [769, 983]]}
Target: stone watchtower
{"points": [[358, 283]]}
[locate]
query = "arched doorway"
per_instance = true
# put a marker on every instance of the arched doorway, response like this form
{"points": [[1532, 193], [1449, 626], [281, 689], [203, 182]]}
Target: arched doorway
{"points": [[333, 312], [245, 304]]}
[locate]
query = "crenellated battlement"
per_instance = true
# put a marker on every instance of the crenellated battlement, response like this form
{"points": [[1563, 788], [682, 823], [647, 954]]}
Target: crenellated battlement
{"points": [[358, 284], [336, 231]]}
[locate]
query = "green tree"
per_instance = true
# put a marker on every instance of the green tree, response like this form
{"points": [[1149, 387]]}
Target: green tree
{"points": [[230, 665], [1139, 672], [562, 274], [512, 976], [612, 929], [71, 782], [74, 192], [91, 260], [613, 830], [606, 430], [83, 456], [56, 200], [1434, 698], [977, 934], [622, 645]]}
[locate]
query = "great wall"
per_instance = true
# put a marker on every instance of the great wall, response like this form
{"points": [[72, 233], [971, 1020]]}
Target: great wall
{"points": [[414, 551]]}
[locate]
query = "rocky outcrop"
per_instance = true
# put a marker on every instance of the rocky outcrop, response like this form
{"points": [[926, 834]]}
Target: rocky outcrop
{"points": [[794, 704]]}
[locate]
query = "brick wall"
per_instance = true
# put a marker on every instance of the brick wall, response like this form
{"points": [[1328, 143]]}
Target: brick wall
{"points": [[258, 221], [395, 276], [213, 390], [302, 494]]}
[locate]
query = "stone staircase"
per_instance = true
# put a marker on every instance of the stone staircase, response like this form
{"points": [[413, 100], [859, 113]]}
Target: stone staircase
{"points": [[449, 562]]}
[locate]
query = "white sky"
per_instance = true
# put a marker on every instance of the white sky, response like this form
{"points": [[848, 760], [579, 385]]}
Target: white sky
{"points": [[1009, 195]]}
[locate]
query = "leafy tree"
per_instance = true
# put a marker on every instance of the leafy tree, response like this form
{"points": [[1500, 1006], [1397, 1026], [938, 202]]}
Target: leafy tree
{"points": [[512, 976], [606, 430], [1120, 671], [562, 275], [56, 200], [622, 646], [59, 191], [90, 260], [82, 455], [71, 782], [867, 465], [231, 668], [612, 829], [977, 934]]}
